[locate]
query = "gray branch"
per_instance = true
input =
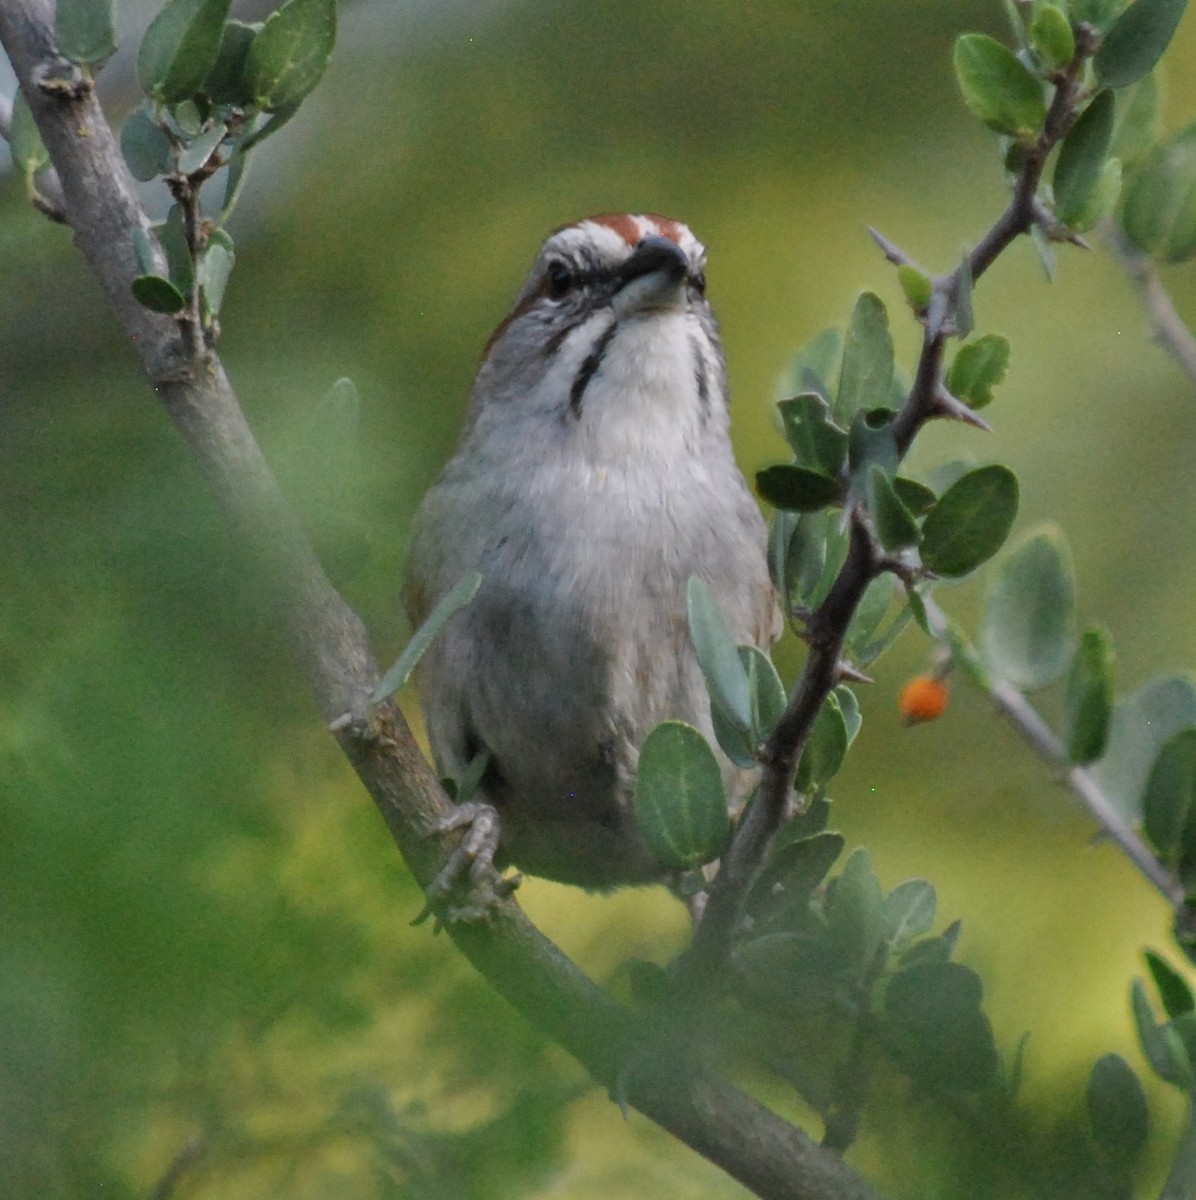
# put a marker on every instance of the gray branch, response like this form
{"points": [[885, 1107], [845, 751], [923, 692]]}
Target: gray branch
{"points": [[768, 1155]]}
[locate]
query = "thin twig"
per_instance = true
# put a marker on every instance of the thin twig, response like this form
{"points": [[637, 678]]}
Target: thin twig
{"points": [[1022, 715], [1170, 330]]}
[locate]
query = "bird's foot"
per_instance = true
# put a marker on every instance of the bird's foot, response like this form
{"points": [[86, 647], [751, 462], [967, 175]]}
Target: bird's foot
{"points": [[469, 886]]}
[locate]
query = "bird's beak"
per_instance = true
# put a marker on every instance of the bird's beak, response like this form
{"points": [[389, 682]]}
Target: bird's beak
{"points": [[654, 277]]}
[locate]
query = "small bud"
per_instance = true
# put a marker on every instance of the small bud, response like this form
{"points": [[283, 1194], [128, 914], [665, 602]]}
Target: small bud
{"points": [[923, 699]]}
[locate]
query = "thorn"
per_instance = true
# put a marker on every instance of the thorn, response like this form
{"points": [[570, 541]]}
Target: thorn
{"points": [[954, 409], [852, 674], [893, 253]]}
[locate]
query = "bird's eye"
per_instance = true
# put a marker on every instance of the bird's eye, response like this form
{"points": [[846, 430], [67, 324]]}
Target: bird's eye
{"points": [[561, 280], [698, 282]]}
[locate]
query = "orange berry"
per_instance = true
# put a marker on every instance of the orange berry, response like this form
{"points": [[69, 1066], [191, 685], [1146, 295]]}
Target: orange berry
{"points": [[923, 699]]}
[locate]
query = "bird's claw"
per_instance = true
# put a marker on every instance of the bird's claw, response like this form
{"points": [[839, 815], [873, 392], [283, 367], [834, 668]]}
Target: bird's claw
{"points": [[469, 886]]}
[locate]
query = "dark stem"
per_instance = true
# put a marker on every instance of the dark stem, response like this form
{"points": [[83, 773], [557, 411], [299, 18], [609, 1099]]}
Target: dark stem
{"points": [[828, 625]]}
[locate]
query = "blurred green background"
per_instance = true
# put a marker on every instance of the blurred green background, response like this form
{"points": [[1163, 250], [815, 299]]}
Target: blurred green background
{"points": [[203, 925]]}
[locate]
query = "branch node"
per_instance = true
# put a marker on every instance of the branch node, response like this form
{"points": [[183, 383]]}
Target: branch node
{"points": [[63, 79]]}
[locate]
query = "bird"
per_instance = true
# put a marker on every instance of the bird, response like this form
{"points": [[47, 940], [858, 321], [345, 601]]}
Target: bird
{"points": [[593, 477]]}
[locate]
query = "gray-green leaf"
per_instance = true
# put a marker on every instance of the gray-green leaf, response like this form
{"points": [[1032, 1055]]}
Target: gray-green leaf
{"points": [[866, 378], [291, 53], [1028, 635], [158, 295], [179, 48], [1159, 214], [816, 441], [215, 266], [1117, 1110], [977, 368], [679, 798], [895, 524], [1082, 158], [1137, 41], [1141, 724], [970, 521], [455, 599], [797, 489], [997, 87], [1168, 800], [1088, 708], [145, 146], [718, 656], [825, 748], [24, 141], [85, 30]]}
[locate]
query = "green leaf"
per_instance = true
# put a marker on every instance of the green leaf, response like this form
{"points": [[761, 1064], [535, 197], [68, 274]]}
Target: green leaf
{"points": [[1137, 41], [196, 155], [797, 489], [768, 701], [849, 706], [870, 611], [814, 364], [85, 30], [451, 603], [1167, 802], [1082, 157], [782, 890], [1028, 635], [1159, 214], [276, 121], [869, 652], [1117, 1110], [767, 691], [143, 249], [679, 798], [718, 656], [1052, 38], [1137, 124], [817, 442], [871, 441], [24, 141], [866, 378], [1173, 989], [895, 524], [180, 47], [1102, 200], [917, 497], [158, 294], [970, 521], [997, 87], [173, 236], [935, 1028], [855, 912], [1161, 1045], [227, 82], [917, 287], [291, 53], [909, 912], [238, 169], [977, 368], [1141, 724], [825, 748], [215, 266], [145, 146], [1089, 706]]}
